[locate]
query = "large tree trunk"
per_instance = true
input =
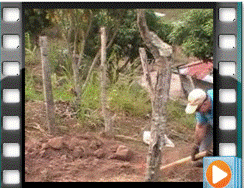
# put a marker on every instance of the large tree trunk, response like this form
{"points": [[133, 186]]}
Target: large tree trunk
{"points": [[107, 121], [46, 74], [158, 124], [159, 96]]}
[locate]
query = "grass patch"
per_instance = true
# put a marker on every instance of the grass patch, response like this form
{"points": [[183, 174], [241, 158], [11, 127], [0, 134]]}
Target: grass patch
{"points": [[176, 113], [131, 98], [31, 93], [89, 112], [123, 97]]}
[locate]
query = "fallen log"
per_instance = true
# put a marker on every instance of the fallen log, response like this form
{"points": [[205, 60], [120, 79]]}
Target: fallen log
{"points": [[127, 138]]}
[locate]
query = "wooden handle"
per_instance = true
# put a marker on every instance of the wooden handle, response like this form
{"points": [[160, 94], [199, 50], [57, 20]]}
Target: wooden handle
{"points": [[184, 160]]}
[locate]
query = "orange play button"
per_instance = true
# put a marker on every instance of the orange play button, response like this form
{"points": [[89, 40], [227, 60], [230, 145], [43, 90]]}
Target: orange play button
{"points": [[218, 174]]}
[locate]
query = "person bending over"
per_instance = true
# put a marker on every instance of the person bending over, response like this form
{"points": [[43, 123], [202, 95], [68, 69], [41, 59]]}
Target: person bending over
{"points": [[201, 103]]}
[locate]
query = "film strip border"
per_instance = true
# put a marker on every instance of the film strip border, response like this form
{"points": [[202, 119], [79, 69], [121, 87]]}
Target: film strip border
{"points": [[12, 63], [12, 85], [228, 86]]}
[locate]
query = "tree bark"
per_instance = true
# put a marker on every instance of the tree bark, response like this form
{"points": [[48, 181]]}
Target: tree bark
{"points": [[75, 69], [143, 56], [76, 78], [160, 95], [46, 73], [107, 121]]}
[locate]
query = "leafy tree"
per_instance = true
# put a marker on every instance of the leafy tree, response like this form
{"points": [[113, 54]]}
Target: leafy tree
{"points": [[75, 25], [159, 25], [127, 40], [195, 33], [36, 20], [80, 29]]}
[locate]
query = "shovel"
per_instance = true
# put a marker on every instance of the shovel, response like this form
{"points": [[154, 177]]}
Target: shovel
{"points": [[185, 160]]}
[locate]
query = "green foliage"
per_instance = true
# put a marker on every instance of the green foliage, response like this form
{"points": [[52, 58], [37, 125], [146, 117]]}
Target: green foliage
{"points": [[128, 39], [123, 97], [58, 57], [56, 60], [29, 47], [36, 20], [91, 96], [130, 98], [30, 91], [159, 25], [107, 17], [164, 32], [195, 33], [124, 93], [62, 88], [90, 107], [31, 51]]}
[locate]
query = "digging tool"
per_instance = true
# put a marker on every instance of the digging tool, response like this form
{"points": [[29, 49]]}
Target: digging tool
{"points": [[184, 160]]}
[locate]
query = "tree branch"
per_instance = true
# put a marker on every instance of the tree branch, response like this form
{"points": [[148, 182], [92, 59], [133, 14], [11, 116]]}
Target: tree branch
{"points": [[120, 69], [145, 33], [85, 38], [146, 72]]}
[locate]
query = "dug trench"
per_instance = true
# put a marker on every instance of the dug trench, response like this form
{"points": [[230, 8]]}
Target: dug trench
{"points": [[92, 157]]}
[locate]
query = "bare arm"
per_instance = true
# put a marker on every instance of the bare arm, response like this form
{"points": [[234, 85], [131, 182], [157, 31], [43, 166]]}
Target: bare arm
{"points": [[200, 133]]}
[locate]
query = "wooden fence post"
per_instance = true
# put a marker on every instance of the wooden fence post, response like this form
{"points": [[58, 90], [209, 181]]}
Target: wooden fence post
{"points": [[47, 86], [107, 120]]}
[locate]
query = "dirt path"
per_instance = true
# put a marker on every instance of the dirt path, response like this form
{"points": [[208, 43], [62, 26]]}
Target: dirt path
{"points": [[85, 156]]}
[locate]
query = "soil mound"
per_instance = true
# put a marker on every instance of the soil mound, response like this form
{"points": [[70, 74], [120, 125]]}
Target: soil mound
{"points": [[84, 157]]}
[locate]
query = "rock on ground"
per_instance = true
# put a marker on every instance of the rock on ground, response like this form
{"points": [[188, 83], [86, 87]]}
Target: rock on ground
{"points": [[56, 143], [122, 153]]}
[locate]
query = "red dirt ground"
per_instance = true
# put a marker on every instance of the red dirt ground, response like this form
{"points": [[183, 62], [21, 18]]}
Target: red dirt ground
{"points": [[86, 156]]}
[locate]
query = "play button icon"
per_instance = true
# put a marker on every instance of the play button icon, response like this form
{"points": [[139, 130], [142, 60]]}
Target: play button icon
{"points": [[218, 174]]}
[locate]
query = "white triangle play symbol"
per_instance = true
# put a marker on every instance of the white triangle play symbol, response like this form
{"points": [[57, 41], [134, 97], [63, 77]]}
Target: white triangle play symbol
{"points": [[218, 174]]}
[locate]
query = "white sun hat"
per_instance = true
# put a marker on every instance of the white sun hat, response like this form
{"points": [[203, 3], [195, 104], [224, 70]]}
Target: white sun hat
{"points": [[195, 98]]}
